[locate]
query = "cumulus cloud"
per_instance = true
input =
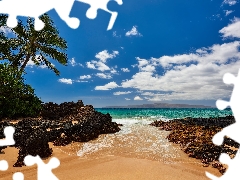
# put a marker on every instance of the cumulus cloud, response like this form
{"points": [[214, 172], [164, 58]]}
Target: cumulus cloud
{"points": [[232, 30], [230, 2], [113, 71], [101, 66], [108, 86], [85, 77], [133, 32], [104, 76], [125, 69], [102, 57], [137, 98], [90, 65], [65, 81], [72, 62], [127, 99], [31, 63], [193, 76], [121, 93]]}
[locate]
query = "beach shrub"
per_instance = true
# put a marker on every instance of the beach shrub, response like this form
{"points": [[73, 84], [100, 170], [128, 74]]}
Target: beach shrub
{"points": [[17, 99]]}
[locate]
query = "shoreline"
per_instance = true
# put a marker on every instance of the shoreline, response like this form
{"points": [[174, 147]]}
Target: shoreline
{"points": [[194, 136], [142, 147], [110, 167]]}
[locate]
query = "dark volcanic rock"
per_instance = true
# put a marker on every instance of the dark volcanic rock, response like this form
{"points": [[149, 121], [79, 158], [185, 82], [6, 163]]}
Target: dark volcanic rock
{"points": [[60, 124], [32, 141], [64, 110], [195, 137]]}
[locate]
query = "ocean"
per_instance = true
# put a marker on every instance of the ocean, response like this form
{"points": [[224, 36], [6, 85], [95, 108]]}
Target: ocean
{"points": [[140, 140], [141, 115]]}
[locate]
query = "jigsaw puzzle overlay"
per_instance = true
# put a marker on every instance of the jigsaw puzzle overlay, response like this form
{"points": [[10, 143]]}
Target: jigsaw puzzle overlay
{"points": [[35, 8], [44, 170], [231, 131]]}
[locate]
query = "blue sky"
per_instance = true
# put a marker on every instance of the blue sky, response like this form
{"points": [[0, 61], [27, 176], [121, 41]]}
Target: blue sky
{"points": [[157, 51]]}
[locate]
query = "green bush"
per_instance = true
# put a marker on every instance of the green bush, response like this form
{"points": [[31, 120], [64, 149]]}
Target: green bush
{"points": [[17, 99]]}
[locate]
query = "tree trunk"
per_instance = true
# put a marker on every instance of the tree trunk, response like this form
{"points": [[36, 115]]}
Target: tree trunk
{"points": [[24, 64]]}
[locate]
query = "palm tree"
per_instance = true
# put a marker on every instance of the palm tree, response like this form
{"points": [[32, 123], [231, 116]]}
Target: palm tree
{"points": [[28, 44]]}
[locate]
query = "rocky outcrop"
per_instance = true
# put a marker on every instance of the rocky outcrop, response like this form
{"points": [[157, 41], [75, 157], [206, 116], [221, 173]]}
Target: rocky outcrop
{"points": [[194, 135], [60, 124]]}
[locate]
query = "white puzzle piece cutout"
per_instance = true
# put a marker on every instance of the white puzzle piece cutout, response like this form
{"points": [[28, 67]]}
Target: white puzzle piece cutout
{"points": [[100, 4], [232, 131], [44, 171], [232, 172], [18, 176], [8, 132], [3, 165], [35, 8]]}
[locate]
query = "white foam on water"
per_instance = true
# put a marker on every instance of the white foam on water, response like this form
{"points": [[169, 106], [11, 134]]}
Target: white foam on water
{"points": [[90, 147], [127, 121], [135, 137]]}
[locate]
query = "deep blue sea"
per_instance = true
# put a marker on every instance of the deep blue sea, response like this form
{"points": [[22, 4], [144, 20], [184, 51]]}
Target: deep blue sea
{"points": [[134, 115]]}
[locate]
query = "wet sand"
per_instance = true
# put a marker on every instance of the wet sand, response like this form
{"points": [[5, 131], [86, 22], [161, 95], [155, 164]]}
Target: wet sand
{"points": [[110, 168], [137, 153]]}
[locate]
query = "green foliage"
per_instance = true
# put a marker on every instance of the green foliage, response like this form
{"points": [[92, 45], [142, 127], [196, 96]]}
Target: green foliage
{"points": [[16, 98], [17, 48], [28, 44]]}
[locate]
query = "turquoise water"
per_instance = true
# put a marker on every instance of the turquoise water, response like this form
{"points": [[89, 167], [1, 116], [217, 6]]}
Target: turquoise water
{"points": [[137, 139], [163, 113]]}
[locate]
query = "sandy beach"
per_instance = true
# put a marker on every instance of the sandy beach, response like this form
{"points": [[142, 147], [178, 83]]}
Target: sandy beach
{"points": [[110, 166]]}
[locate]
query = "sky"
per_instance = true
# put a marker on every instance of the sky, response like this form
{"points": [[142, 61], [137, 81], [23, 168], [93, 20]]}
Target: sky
{"points": [[157, 51]]}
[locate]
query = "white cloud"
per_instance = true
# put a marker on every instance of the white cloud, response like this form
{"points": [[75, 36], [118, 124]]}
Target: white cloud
{"points": [[137, 98], [113, 71], [104, 55], [65, 81], [193, 76], [85, 77], [31, 63], [72, 62], [101, 66], [108, 86], [121, 93], [227, 12], [104, 76], [125, 69], [80, 81], [44, 66], [90, 65], [230, 2], [133, 32], [232, 30], [127, 99]]}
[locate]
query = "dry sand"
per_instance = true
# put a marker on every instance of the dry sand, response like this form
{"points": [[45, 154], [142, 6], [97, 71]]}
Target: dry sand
{"points": [[110, 167], [138, 152]]}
